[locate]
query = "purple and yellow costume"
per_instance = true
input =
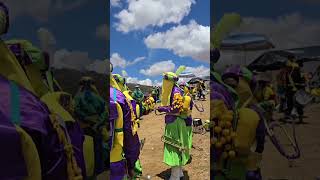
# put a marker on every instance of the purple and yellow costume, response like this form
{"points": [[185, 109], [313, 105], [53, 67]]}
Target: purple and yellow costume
{"points": [[178, 131], [124, 141], [248, 127]]}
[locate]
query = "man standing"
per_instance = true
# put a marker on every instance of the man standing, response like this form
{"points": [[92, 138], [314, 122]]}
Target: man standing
{"points": [[295, 82]]}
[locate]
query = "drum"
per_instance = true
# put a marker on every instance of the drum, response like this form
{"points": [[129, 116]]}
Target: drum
{"points": [[303, 98], [197, 122]]}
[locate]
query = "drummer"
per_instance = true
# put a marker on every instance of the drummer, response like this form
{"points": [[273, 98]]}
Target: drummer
{"points": [[295, 82]]}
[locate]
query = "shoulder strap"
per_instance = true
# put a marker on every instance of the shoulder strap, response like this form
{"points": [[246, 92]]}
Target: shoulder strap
{"points": [[15, 103]]}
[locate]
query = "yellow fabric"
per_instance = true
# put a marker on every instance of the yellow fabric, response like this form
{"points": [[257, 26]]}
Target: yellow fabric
{"points": [[133, 116], [88, 153], [30, 154], [52, 101], [138, 110], [315, 92], [73, 170], [253, 161], [186, 102], [244, 92], [246, 130], [113, 83], [167, 86], [117, 148], [36, 80], [186, 90], [218, 110], [268, 92], [11, 69], [126, 93]]}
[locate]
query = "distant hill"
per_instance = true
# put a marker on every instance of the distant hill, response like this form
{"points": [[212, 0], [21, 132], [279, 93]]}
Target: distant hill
{"points": [[69, 80]]}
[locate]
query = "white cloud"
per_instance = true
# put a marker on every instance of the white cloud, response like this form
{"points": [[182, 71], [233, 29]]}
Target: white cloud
{"points": [[40, 10], [199, 71], [159, 68], [47, 41], [134, 80], [119, 61], [143, 13], [102, 32], [192, 40], [46, 37], [79, 61], [287, 31], [98, 66], [115, 3]]}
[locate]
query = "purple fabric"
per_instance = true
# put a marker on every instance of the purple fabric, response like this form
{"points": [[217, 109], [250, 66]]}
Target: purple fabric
{"points": [[77, 138], [134, 106], [167, 109], [219, 92], [189, 121], [20, 53], [118, 170], [131, 143], [235, 69], [35, 121], [10, 140]]}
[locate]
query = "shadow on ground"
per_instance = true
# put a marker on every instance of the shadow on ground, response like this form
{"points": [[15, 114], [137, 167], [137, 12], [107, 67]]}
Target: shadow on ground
{"points": [[166, 174]]}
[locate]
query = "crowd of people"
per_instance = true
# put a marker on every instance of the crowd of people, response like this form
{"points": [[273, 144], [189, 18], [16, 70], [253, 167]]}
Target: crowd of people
{"points": [[175, 102], [242, 103]]}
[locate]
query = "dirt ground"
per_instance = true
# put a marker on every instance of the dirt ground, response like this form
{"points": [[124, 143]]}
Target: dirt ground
{"points": [[152, 128], [276, 167]]}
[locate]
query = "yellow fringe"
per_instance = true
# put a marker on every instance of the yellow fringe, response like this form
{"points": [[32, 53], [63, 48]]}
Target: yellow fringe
{"points": [[74, 172]]}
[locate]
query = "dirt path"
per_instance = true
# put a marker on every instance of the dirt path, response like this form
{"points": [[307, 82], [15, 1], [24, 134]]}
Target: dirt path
{"points": [[152, 128], [274, 166]]}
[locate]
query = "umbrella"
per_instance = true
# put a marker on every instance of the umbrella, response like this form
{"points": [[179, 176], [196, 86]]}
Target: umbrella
{"points": [[274, 60], [246, 42], [195, 80]]}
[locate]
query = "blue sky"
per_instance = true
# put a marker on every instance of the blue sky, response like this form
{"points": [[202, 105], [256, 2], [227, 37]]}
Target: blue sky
{"points": [[128, 45], [287, 23], [74, 30]]}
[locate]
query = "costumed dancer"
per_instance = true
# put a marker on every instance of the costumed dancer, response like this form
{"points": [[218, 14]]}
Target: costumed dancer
{"points": [[176, 136], [91, 113], [235, 127], [138, 95], [124, 140], [121, 81]]}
